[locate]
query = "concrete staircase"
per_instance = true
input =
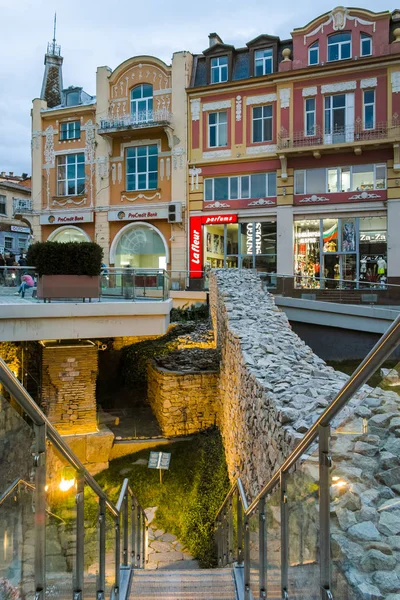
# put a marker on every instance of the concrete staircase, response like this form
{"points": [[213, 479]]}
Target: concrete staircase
{"points": [[199, 584]]}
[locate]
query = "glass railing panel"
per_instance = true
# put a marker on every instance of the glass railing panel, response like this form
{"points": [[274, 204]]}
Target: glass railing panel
{"points": [[13, 281], [61, 482], [91, 544], [17, 494], [365, 489], [149, 284], [273, 545], [111, 282], [110, 552], [254, 553], [303, 516]]}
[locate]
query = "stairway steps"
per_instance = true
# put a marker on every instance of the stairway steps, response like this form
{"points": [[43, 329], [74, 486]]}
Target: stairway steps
{"points": [[201, 584]]}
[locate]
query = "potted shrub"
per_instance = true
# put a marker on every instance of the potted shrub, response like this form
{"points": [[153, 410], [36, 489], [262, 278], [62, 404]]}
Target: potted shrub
{"points": [[66, 270]]}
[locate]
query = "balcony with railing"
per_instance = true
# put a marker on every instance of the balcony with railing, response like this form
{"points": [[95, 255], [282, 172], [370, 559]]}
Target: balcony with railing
{"points": [[21, 206], [145, 119], [320, 138]]}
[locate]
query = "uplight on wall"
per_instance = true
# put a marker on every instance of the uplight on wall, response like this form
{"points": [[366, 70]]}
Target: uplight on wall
{"points": [[66, 484]]}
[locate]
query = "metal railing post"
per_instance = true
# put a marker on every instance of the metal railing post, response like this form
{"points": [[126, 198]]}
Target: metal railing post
{"points": [[325, 463], [262, 547], [143, 540], [230, 532], [117, 555], [39, 459], [133, 539], [246, 574], [80, 535], [101, 583], [239, 529], [138, 548], [126, 531], [284, 536]]}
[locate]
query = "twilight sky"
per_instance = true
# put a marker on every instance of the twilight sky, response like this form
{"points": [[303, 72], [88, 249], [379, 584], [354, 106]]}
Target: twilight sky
{"points": [[100, 32]]}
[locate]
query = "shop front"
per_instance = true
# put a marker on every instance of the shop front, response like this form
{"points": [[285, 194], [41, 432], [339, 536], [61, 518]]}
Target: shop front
{"points": [[341, 253], [224, 241], [68, 226]]}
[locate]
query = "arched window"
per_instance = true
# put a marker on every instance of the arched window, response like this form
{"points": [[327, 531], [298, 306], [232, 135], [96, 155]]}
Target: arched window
{"points": [[69, 233], [365, 45], [339, 46], [313, 54], [139, 245], [142, 103]]}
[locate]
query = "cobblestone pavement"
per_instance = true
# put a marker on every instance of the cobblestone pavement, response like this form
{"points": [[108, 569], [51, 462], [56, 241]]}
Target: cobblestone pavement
{"points": [[164, 549]]}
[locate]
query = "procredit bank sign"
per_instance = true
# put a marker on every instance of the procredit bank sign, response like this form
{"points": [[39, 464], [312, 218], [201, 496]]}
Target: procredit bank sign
{"points": [[137, 215], [66, 218], [196, 239]]}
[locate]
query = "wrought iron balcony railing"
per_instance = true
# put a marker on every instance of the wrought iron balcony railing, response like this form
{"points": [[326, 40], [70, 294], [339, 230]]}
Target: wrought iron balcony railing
{"points": [[22, 205], [318, 136], [145, 118]]}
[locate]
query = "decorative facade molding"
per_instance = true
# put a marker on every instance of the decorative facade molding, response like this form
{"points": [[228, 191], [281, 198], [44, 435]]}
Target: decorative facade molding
{"points": [[217, 204], [162, 169], [310, 91], [49, 158], [264, 99], [218, 154], [261, 202], [168, 167], [194, 173], [395, 78], [177, 157], [369, 82], [102, 169], [195, 109], [141, 73], [119, 172], [238, 108], [341, 86], [35, 142], [141, 197], [364, 196], [90, 156], [284, 97], [338, 18], [217, 105], [270, 148], [312, 199], [66, 201]]}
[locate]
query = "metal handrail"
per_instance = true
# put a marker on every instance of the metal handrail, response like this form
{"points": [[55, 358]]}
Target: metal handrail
{"points": [[237, 486]]}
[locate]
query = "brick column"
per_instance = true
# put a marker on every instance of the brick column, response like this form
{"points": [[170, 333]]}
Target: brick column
{"points": [[69, 375]]}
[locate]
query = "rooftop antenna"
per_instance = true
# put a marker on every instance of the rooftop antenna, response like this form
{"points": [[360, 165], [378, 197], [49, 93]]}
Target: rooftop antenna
{"points": [[55, 28]]}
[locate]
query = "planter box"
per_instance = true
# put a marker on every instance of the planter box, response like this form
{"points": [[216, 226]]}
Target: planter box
{"points": [[68, 286]]}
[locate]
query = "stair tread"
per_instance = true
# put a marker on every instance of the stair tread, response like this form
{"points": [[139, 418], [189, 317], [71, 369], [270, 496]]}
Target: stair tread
{"points": [[200, 584]]}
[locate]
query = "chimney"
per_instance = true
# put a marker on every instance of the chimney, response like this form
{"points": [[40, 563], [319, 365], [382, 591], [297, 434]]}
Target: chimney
{"points": [[11, 174], [214, 39]]}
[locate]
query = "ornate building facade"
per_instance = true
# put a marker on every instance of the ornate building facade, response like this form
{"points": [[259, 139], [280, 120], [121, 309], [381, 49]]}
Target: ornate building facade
{"points": [[294, 163], [111, 168]]}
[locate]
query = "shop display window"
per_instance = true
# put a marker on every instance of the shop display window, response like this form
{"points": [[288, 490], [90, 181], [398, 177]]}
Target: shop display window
{"points": [[340, 179], [307, 253], [373, 251]]}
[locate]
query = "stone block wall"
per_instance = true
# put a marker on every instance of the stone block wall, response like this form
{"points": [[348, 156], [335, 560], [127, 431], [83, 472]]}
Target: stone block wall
{"points": [[69, 387], [182, 402]]}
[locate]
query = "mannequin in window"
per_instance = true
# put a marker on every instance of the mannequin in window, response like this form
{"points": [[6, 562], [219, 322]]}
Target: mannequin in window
{"points": [[363, 265], [381, 262]]}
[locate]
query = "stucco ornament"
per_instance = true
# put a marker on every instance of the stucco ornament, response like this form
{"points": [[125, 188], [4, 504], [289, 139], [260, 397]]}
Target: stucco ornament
{"points": [[49, 158], [395, 78], [194, 173], [90, 156], [364, 196], [195, 109], [312, 199], [177, 157], [261, 202], [238, 108], [284, 97], [217, 204], [339, 17]]}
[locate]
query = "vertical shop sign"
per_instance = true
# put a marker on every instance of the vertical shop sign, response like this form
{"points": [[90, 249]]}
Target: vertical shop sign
{"points": [[196, 248]]}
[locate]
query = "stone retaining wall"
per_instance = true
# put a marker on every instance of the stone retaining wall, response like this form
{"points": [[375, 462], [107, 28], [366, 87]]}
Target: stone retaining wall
{"points": [[272, 389], [182, 402]]}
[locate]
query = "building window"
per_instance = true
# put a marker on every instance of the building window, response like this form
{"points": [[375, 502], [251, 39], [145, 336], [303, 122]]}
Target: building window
{"points": [[313, 54], [369, 109], [70, 130], [219, 69], [263, 62], [357, 178], [217, 129], [309, 118], [73, 98], [71, 174], [21, 243], [142, 168], [3, 205], [142, 103], [262, 123], [258, 185], [339, 46], [365, 45], [141, 246], [8, 243]]}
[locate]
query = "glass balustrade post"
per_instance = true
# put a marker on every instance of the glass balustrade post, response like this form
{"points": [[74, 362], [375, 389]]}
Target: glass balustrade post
{"points": [[325, 463], [262, 547], [126, 531], [117, 555], [284, 536], [247, 558], [239, 529], [40, 510], [134, 286], [80, 536], [101, 583]]}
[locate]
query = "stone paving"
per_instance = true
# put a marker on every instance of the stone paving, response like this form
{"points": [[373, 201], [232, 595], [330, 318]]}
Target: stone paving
{"points": [[164, 549]]}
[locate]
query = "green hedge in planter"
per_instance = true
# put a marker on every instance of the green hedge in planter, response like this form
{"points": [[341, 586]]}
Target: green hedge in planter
{"points": [[70, 258]]}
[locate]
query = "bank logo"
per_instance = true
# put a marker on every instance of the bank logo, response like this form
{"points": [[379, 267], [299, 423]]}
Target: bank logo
{"points": [[121, 215], [51, 219]]}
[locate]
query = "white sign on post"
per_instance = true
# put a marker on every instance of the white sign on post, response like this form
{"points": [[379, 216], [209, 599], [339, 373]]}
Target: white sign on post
{"points": [[159, 460]]}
